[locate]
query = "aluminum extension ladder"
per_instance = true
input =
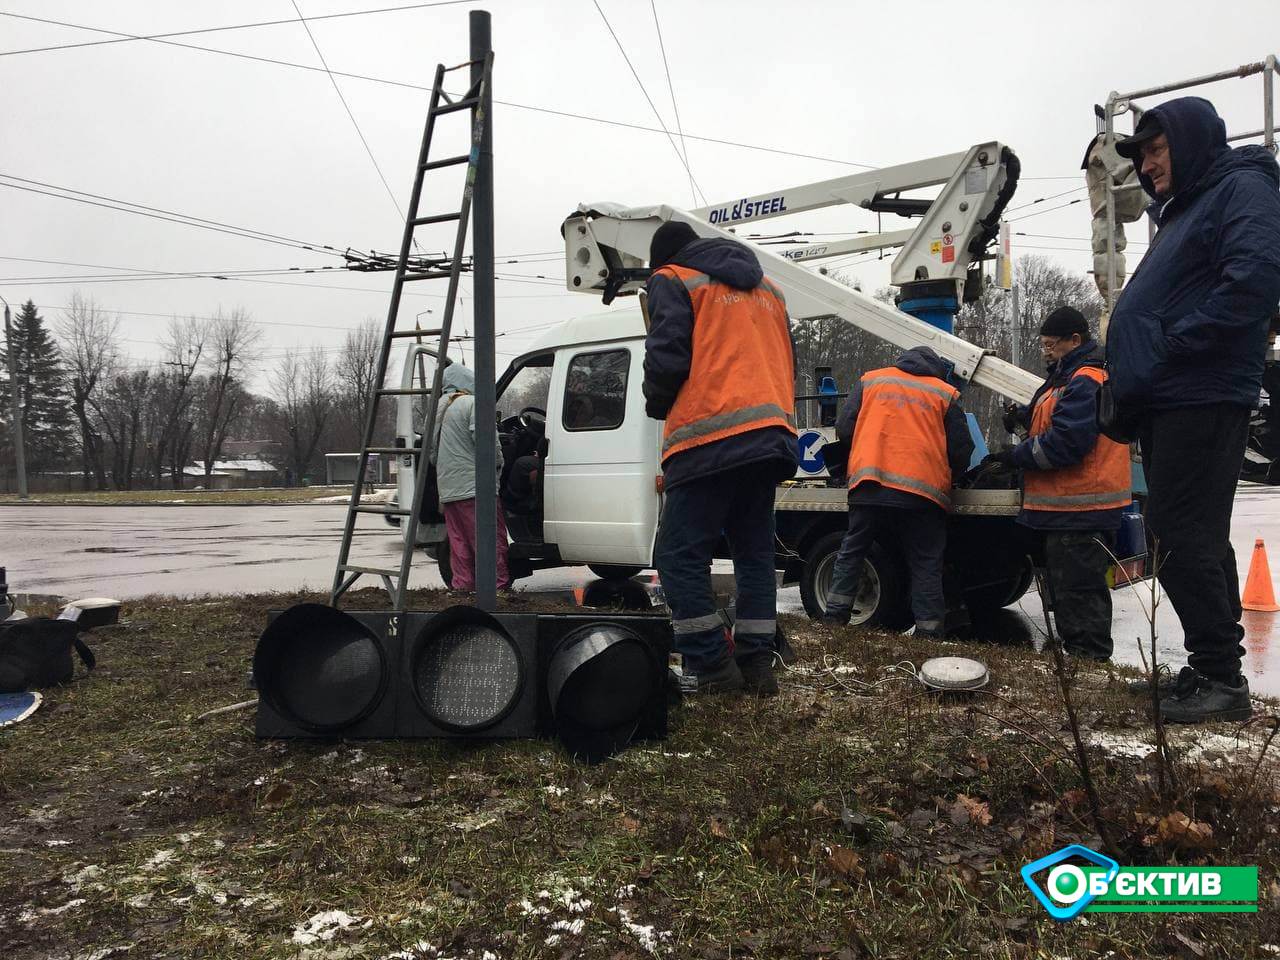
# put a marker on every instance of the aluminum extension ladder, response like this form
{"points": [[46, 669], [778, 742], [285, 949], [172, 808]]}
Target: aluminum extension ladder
{"points": [[409, 270]]}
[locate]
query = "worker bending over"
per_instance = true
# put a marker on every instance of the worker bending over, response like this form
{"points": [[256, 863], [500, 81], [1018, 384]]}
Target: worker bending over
{"points": [[1075, 482], [718, 368], [909, 437]]}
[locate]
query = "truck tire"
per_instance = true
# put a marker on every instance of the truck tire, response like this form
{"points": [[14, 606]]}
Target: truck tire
{"points": [[995, 596], [444, 563], [882, 599], [613, 571]]}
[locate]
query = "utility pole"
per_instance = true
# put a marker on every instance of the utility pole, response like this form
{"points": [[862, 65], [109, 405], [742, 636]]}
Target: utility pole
{"points": [[19, 447], [483, 307], [1015, 324]]}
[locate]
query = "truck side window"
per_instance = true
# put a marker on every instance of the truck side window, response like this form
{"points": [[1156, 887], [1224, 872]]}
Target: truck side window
{"points": [[595, 392]]}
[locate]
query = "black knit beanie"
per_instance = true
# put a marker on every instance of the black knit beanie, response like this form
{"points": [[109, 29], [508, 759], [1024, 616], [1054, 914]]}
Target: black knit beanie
{"points": [[667, 241], [1064, 322]]}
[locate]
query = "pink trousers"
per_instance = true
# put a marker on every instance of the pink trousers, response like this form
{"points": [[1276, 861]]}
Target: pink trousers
{"points": [[460, 522]]}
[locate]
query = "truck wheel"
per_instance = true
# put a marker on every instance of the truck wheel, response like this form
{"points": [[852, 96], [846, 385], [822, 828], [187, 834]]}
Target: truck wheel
{"points": [[445, 564], [995, 596], [882, 599], [613, 571]]}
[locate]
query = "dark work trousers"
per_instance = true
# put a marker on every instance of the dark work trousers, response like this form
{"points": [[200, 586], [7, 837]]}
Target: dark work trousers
{"points": [[739, 504], [1192, 458], [923, 536], [1078, 562]]}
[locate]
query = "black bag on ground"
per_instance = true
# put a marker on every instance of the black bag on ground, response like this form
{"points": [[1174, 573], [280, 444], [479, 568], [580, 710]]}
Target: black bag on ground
{"points": [[36, 652], [1114, 422]]}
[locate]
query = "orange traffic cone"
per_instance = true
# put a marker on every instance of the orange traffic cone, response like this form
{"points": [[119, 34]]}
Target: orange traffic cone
{"points": [[1258, 592]]}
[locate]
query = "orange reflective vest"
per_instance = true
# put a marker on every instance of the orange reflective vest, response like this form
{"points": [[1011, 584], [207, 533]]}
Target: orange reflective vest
{"points": [[900, 440], [742, 376], [1101, 481]]}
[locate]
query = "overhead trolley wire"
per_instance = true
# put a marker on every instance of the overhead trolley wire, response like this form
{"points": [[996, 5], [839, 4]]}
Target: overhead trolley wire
{"points": [[649, 99], [674, 106], [160, 213], [345, 106], [426, 89], [124, 38]]}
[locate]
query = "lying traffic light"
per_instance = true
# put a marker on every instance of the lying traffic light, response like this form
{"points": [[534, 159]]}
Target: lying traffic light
{"points": [[596, 681]]}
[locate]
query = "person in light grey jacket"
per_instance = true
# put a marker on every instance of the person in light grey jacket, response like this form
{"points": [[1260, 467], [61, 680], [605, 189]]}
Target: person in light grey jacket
{"points": [[454, 454]]}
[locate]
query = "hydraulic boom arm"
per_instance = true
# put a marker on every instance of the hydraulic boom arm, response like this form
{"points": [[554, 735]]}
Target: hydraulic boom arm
{"points": [[606, 246]]}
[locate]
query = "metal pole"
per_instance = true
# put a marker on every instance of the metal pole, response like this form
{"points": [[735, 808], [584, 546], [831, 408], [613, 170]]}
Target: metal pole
{"points": [[1015, 325], [1109, 138], [19, 445], [1246, 70], [483, 307], [1268, 105]]}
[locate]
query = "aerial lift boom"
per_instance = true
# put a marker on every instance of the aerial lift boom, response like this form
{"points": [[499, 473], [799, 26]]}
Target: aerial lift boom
{"points": [[606, 246]]}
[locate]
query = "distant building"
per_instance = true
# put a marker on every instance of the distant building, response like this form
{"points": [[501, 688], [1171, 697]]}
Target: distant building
{"points": [[244, 473], [340, 468]]}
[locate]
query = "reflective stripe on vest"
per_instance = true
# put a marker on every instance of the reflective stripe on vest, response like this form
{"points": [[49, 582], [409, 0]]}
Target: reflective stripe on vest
{"points": [[900, 440], [741, 375], [1101, 481]]}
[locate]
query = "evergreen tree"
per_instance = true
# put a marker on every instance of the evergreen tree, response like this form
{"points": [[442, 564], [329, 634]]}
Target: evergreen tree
{"points": [[47, 423]]}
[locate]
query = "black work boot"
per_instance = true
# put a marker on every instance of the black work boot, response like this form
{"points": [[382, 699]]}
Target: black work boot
{"points": [[1207, 700], [757, 673], [1166, 682], [834, 618], [722, 678]]}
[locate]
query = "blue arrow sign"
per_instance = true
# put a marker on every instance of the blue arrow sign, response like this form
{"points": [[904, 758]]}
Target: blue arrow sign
{"points": [[810, 448]]}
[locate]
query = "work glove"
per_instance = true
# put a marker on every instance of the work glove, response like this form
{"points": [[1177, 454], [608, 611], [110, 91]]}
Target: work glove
{"points": [[1003, 457], [1012, 418]]}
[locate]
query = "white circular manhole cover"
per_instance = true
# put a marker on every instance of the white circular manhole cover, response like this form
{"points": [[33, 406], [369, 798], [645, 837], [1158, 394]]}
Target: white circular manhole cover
{"points": [[954, 673]]}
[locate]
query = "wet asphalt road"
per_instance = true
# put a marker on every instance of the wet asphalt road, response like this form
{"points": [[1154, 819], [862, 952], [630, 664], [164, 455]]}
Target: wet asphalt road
{"points": [[182, 550]]}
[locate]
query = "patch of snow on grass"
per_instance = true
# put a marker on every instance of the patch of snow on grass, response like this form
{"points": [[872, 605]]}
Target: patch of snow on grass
{"points": [[325, 926]]}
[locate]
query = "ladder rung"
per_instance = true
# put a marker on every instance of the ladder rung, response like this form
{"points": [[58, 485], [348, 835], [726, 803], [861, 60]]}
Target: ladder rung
{"points": [[465, 63], [466, 104], [450, 162], [427, 275], [437, 218], [398, 334], [393, 450], [385, 511], [404, 392], [377, 571]]}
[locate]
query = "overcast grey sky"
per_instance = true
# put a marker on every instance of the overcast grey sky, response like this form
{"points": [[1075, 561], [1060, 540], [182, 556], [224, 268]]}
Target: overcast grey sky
{"points": [[270, 147]]}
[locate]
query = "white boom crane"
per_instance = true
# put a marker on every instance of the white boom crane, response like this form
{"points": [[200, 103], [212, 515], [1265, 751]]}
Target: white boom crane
{"points": [[606, 246]]}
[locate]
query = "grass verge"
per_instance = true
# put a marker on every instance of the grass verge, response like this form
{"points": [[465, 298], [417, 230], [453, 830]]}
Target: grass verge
{"points": [[853, 816]]}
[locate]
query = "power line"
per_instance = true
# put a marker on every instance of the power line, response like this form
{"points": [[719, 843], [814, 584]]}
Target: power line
{"points": [[506, 103], [1036, 213], [672, 90], [159, 213], [1055, 196], [345, 106], [127, 38], [649, 99]]}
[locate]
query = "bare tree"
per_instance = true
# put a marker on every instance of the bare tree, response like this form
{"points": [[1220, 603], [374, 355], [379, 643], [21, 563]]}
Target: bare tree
{"points": [[171, 444], [303, 389], [230, 344], [90, 340], [355, 372], [122, 410]]}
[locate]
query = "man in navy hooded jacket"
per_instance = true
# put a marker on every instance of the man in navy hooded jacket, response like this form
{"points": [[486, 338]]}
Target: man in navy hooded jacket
{"points": [[719, 369], [1186, 351]]}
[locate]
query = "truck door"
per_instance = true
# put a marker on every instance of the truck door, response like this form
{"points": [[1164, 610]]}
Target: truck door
{"points": [[600, 491]]}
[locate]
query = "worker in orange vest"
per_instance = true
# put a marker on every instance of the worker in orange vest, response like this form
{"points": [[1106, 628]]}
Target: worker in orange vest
{"points": [[1076, 482], [909, 438], [718, 368]]}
